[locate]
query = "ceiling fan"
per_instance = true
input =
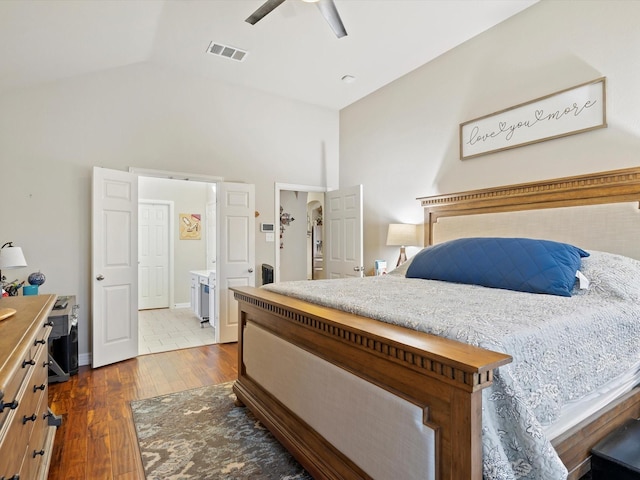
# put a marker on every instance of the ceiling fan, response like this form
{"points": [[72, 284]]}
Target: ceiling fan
{"points": [[326, 7]]}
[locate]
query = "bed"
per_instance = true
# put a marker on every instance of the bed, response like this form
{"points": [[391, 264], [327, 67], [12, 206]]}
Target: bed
{"points": [[355, 394]]}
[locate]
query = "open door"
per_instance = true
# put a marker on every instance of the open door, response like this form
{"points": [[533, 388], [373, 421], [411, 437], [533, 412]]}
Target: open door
{"points": [[236, 255], [114, 266], [343, 237]]}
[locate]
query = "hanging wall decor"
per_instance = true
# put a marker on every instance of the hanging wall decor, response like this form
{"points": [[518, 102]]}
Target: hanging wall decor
{"points": [[190, 226], [567, 112], [285, 220]]}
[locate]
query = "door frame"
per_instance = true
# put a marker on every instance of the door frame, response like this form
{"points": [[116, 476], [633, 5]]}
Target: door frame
{"points": [[195, 177], [170, 175], [276, 216], [184, 176], [170, 247]]}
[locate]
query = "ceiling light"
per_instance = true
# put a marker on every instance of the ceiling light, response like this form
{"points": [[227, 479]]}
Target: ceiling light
{"points": [[348, 79]]}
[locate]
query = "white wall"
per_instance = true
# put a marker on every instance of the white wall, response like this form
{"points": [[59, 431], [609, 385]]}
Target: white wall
{"points": [[402, 142], [147, 117]]}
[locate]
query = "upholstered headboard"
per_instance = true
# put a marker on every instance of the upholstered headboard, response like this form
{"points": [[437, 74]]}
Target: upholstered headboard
{"points": [[599, 211]]}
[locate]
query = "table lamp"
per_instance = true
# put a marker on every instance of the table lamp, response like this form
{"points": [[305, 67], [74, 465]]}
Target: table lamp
{"points": [[11, 257], [403, 235]]}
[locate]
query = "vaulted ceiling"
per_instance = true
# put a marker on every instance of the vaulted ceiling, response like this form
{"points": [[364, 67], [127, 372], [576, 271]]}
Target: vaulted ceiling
{"points": [[292, 52]]}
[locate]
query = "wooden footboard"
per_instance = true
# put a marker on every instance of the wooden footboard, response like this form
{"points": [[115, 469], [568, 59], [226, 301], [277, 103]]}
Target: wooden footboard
{"points": [[442, 377]]}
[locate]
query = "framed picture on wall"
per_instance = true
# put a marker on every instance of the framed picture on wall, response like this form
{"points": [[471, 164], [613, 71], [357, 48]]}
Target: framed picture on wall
{"points": [[190, 226], [567, 112]]}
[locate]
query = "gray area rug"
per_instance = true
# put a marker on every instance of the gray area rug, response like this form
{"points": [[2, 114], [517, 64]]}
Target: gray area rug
{"points": [[201, 434]]}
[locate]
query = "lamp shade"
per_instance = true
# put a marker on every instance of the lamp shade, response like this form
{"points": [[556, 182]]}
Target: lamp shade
{"points": [[402, 234], [12, 257]]}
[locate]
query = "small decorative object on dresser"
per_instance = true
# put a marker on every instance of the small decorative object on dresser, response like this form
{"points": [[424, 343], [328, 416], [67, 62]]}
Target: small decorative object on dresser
{"points": [[6, 313], [27, 426], [35, 280]]}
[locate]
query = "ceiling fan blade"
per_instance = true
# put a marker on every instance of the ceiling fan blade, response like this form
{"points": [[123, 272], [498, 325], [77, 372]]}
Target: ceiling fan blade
{"points": [[266, 8], [331, 15]]}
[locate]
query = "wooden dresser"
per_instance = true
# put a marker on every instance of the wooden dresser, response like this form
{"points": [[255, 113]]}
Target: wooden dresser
{"points": [[27, 427]]}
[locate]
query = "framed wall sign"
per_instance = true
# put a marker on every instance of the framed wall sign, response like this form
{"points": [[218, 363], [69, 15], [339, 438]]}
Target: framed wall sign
{"points": [[190, 226], [567, 112]]}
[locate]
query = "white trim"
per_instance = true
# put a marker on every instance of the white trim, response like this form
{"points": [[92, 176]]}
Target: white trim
{"points": [[276, 216], [84, 359], [194, 177]]}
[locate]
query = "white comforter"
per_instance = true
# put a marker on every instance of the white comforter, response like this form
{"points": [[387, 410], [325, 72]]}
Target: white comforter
{"points": [[562, 348]]}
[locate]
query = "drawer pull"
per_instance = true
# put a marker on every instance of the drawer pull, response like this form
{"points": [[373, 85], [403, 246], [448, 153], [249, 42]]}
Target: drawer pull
{"points": [[15, 477], [48, 324], [41, 342], [38, 452], [32, 418], [47, 364], [39, 387], [28, 362], [13, 405]]}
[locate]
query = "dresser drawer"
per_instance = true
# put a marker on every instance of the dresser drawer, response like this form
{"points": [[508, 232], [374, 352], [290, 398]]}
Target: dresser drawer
{"points": [[39, 379], [11, 398], [15, 437], [18, 466], [39, 390], [40, 340], [37, 450], [29, 362], [22, 419]]}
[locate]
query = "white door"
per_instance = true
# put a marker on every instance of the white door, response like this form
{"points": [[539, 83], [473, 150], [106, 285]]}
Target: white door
{"points": [[153, 255], [343, 236], [114, 266], [236, 254]]}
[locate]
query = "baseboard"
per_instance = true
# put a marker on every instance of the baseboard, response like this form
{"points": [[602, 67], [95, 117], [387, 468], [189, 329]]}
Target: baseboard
{"points": [[84, 359]]}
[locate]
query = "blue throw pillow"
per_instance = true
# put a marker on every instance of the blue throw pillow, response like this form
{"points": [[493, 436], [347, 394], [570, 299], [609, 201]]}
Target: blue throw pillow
{"points": [[522, 264]]}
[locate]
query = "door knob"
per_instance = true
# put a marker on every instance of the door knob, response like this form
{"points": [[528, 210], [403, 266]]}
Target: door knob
{"points": [[358, 269], [251, 270], [99, 278]]}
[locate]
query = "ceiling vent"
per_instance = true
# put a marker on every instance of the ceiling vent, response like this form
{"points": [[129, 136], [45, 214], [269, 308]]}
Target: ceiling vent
{"points": [[227, 51]]}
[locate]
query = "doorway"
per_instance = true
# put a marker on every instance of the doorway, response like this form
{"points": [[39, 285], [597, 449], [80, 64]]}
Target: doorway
{"points": [[294, 246], [315, 246], [166, 319], [342, 227], [114, 259]]}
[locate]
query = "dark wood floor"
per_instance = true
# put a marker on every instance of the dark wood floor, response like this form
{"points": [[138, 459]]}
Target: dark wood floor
{"points": [[97, 440]]}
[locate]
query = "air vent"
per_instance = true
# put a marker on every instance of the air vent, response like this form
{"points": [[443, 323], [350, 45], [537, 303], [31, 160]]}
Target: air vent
{"points": [[226, 51]]}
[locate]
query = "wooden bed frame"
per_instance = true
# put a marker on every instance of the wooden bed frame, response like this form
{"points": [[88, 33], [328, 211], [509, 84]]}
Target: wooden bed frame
{"points": [[443, 376]]}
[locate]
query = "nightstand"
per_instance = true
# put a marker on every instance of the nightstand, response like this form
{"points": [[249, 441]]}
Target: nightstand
{"points": [[618, 455]]}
